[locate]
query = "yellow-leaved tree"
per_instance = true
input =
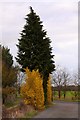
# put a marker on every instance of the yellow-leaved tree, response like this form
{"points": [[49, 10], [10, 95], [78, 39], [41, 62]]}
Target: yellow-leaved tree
{"points": [[32, 89], [49, 91]]}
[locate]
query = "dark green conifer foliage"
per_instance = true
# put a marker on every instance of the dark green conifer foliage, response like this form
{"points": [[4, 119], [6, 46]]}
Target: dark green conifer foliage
{"points": [[6, 56], [34, 49]]}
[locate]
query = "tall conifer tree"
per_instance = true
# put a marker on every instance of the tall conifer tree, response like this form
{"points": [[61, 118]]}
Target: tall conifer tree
{"points": [[34, 49]]}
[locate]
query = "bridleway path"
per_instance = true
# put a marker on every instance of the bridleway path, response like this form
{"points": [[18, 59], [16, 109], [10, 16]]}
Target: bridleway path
{"points": [[60, 110]]}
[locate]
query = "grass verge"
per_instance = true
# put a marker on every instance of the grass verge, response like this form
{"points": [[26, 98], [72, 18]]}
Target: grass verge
{"points": [[31, 114]]}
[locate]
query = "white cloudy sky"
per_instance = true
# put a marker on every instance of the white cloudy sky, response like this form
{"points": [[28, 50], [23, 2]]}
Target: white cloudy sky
{"points": [[60, 19]]}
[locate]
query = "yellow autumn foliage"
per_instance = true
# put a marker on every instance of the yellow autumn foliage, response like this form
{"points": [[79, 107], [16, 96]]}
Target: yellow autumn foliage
{"points": [[49, 91], [32, 89]]}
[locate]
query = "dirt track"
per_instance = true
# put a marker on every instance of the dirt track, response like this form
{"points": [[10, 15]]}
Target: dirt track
{"points": [[60, 110]]}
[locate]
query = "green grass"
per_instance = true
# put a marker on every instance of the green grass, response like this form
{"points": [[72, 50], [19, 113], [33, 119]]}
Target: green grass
{"points": [[70, 96], [31, 114], [9, 104], [14, 103]]}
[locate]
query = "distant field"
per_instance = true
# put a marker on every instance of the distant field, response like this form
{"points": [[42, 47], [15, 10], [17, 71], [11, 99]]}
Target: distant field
{"points": [[70, 96]]}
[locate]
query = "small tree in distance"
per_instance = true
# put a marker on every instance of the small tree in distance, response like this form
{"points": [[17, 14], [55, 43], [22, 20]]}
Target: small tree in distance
{"points": [[34, 50], [61, 78]]}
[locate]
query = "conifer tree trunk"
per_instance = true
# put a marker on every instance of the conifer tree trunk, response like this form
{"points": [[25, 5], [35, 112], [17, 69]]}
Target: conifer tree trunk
{"points": [[45, 79]]}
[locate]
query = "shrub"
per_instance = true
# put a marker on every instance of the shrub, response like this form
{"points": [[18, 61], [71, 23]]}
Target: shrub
{"points": [[8, 94], [32, 89], [49, 91]]}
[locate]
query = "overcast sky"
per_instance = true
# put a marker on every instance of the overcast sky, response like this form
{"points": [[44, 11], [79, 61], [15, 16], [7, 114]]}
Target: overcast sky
{"points": [[60, 19]]}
